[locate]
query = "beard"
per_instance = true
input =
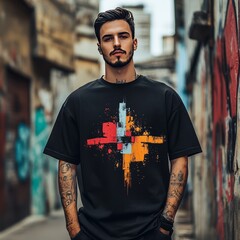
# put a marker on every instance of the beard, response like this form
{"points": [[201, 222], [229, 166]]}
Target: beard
{"points": [[119, 63]]}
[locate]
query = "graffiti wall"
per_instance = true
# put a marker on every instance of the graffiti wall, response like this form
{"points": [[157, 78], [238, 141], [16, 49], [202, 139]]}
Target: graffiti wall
{"points": [[216, 109], [15, 148], [44, 189], [36, 75]]}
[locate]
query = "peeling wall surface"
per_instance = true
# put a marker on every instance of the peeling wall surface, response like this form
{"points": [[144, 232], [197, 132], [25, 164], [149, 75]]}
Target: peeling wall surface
{"points": [[15, 119], [37, 73], [215, 108]]}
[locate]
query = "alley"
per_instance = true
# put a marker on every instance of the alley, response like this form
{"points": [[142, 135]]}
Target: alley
{"points": [[48, 49]]}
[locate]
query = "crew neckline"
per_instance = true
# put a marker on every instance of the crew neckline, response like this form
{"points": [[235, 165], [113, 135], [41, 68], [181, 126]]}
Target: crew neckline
{"points": [[120, 84]]}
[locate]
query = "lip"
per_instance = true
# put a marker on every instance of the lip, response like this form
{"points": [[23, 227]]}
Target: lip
{"points": [[117, 52]]}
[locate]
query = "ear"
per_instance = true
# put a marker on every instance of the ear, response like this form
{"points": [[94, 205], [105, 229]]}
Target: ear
{"points": [[99, 48], [135, 43]]}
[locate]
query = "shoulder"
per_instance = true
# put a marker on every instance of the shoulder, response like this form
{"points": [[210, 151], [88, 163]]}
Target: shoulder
{"points": [[170, 95], [85, 88], [160, 86], [79, 94]]}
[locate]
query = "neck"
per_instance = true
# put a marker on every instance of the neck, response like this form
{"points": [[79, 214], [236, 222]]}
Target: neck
{"points": [[120, 75]]}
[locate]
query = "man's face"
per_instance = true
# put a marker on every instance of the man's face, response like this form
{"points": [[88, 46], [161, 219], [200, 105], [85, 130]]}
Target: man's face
{"points": [[116, 43]]}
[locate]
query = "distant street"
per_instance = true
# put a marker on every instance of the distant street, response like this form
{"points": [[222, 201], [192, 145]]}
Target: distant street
{"points": [[49, 228]]}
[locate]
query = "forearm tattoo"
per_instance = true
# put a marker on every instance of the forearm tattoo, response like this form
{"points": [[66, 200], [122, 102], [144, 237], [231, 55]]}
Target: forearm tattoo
{"points": [[67, 183], [177, 185], [67, 189]]}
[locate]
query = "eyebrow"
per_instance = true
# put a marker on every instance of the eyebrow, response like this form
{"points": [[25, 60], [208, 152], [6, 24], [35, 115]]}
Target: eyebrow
{"points": [[120, 33]]}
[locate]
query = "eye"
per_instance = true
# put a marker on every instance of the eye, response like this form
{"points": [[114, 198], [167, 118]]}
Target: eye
{"points": [[107, 39], [123, 36]]}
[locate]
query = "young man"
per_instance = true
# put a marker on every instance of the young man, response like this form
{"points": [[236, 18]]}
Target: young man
{"points": [[122, 130]]}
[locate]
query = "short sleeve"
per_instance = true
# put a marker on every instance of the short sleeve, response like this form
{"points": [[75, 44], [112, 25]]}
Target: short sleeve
{"points": [[182, 139], [64, 143]]}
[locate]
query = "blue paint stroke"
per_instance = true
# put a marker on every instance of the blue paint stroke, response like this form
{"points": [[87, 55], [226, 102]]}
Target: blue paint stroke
{"points": [[22, 151]]}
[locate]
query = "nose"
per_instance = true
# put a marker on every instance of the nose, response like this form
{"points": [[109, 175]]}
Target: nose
{"points": [[116, 42]]}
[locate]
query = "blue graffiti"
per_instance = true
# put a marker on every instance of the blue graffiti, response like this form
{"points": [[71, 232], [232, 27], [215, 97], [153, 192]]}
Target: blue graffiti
{"points": [[22, 151], [38, 184]]}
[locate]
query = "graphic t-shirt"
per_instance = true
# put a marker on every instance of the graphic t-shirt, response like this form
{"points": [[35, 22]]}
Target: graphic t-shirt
{"points": [[122, 136]]}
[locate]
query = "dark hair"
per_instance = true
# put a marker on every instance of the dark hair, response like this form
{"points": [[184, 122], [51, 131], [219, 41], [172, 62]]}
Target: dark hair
{"points": [[111, 15]]}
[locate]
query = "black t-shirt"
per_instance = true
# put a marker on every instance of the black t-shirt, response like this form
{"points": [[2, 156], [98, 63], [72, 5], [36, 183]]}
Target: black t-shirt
{"points": [[122, 136]]}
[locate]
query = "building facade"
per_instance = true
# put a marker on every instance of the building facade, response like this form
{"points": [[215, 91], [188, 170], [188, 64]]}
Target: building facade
{"points": [[207, 34], [38, 69], [142, 20]]}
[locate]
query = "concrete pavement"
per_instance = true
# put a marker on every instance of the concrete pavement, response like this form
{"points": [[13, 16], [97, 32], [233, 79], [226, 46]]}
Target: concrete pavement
{"points": [[38, 228], [183, 226]]}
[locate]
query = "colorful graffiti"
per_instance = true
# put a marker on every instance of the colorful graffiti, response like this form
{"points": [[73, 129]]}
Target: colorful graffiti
{"points": [[22, 151], [218, 175], [225, 87], [44, 170], [28, 182], [38, 185]]}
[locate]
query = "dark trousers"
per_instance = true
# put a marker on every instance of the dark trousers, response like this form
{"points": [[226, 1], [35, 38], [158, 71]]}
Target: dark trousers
{"points": [[151, 235]]}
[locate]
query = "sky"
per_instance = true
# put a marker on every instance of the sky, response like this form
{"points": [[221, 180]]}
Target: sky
{"points": [[162, 13]]}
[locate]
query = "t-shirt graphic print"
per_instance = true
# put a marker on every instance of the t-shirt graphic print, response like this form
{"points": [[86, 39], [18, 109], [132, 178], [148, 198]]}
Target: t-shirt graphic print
{"points": [[130, 139]]}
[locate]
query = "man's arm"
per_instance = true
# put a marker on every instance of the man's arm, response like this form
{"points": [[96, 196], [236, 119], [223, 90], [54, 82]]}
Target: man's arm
{"points": [[67, 190], [178, 180]]}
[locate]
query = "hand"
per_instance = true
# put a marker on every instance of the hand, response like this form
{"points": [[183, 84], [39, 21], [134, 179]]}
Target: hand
{"points": [[73, 230], [77, 236], [164, 231]]}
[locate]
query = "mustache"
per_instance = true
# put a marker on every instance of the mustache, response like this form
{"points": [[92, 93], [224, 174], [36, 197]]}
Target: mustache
{"points": [[117, 50]]}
